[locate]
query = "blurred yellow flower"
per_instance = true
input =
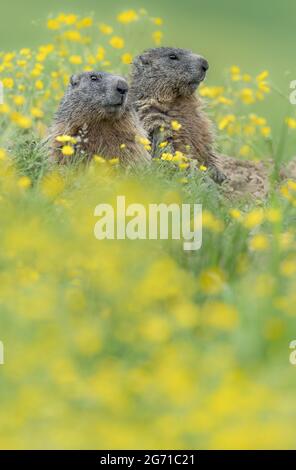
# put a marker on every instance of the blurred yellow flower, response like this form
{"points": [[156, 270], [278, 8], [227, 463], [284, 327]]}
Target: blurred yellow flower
{"points": [[24, 182], [127, 58], [176, 126], [117, 42], [127, 16], [53, 24], [157, 37], [212, 281], [259, 242], [105, 29], [67, 150], [254, 218], [75, 59]]}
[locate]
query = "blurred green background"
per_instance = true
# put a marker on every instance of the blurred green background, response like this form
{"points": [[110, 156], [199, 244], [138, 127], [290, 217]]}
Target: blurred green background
{"points": [[254, 35]]}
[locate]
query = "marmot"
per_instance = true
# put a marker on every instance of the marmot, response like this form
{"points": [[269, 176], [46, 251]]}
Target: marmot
{"points": [[163, 85], [95, 111]]}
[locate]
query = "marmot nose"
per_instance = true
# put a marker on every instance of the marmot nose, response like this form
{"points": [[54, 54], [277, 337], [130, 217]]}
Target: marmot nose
{"points": [[204, 64], [122, 87]]}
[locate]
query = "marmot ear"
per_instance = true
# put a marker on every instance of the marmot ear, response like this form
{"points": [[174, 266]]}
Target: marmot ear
{"points": [[144, 59], [74, 80]]}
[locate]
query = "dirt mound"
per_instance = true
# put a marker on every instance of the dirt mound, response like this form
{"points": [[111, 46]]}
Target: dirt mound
{"points": [[252, 179]]}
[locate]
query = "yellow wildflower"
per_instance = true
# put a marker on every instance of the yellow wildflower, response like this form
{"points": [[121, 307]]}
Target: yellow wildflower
{"points": [[67, 150], [24, 182], [259, 242], [117, 42], [127, 16], [105, 29], [126, 58]]}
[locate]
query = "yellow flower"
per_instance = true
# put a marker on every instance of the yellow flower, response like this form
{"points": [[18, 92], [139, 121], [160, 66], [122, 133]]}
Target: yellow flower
{"points": [[183, 166], [99, 159], [117, 42], [212, 281], [247, 96], [246, 77], [100, 54], [288, 267], [67, 150], [163, 144], [211, 92], [4, 108], [210, 222], [126, 58], [157, 37], [67, 19], [66, 138], [73, 36], [167, 156], [258, 121], [245, 150], [52, 185], [75, 59], [203, 168], [105, 29], [53, 24], [224, 122], [20, 120], [85, 23], [127, 16], [24, 182], [224, 100], [37, 112], [8, 83], [220, 315], [273, 215], [265, 131], [3, 154], [254, 218], [235, 213], [235, 70], [39, 85], [262, 86], [176, 126], [291, 122], [114, 161], [259, 242], [157, 21], [19, 100], [262, 76]]}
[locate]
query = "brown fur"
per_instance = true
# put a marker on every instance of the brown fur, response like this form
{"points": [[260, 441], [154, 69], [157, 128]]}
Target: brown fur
{"points": [[87, 113], [163, 91]]}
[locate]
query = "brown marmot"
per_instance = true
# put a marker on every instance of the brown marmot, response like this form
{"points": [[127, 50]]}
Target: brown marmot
{"points": [[163, 85], [95, 111]]}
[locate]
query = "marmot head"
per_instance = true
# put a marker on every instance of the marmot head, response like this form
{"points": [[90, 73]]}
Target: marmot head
{"points": [[166, 73], [99, 93]]}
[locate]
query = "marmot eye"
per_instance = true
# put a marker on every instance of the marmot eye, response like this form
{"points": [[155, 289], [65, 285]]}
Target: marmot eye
{"points": [[94, 78], [173, 57]]}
